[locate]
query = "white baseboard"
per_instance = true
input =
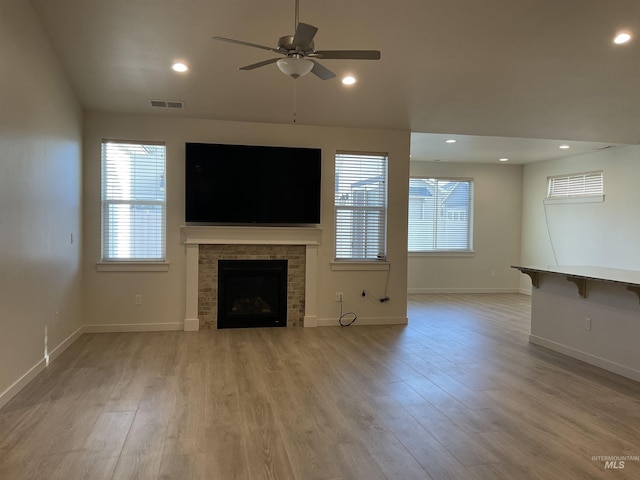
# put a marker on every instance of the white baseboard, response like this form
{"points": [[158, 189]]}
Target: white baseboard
{"points": [[22, 382], [134, 327], [462, 290], [333, 322], [589, 358]]}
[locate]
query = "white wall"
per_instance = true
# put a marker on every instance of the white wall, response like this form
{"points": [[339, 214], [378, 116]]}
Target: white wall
{"points": [[40, 192], [603, 234], [109, 296], [496, 233]]}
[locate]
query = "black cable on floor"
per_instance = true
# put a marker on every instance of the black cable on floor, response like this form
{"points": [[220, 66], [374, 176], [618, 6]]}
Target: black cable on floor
{"points": [[342, 316]]}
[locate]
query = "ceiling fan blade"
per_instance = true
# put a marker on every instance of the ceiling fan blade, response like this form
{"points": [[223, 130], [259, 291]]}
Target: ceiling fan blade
{"points": [[348, 54], [304, 36], [321, 72], [260, 64], [247, 44]]}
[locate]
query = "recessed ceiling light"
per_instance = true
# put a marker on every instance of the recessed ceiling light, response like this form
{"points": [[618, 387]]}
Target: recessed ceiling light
{"points": [[179, 67], [504, 159], [349, 80], [622, 37], [451, 140], [564, 147]]}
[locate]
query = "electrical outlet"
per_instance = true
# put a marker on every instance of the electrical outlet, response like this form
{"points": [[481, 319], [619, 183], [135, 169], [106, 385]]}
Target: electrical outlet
{"points": [[587, 323], [138, 299], [339, 296], [493, 273]]}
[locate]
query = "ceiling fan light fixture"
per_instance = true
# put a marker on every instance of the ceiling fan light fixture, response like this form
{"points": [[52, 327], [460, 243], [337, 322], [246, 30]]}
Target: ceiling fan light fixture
{"points": [[295, 66]]}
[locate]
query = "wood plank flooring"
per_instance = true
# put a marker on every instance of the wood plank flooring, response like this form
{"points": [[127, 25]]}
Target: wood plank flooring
{"points": [[459, 393]]}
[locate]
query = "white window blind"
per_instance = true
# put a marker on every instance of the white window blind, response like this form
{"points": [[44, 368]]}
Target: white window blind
{"points": [[361, 206], [133, 201], [576, 185], [440, 215]]}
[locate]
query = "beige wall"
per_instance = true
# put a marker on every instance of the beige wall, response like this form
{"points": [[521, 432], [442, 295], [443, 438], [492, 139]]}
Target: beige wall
{"points": [[109, 296], [40, 192], [601, 234], [496, 233]]}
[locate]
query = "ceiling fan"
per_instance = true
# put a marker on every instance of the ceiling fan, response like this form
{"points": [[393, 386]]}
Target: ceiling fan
{"points": [[299, 54]]}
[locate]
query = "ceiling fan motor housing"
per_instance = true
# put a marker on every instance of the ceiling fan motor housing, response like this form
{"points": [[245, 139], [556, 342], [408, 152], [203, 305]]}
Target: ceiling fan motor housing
{"points": [[285, 45]]}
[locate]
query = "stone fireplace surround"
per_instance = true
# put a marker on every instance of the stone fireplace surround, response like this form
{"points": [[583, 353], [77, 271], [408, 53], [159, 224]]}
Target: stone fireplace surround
{"points": [[195, 236], [209, 277]]}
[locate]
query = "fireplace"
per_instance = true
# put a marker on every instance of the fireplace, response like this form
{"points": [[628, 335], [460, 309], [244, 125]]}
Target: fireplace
{"points": [[205, 245], [252, 293]]}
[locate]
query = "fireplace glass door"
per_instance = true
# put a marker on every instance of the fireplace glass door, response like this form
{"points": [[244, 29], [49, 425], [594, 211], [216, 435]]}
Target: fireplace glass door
{"points": [[252, 293]]}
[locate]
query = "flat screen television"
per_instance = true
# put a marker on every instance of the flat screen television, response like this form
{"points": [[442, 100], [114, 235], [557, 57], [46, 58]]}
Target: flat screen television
{"points": [[246, 184]]}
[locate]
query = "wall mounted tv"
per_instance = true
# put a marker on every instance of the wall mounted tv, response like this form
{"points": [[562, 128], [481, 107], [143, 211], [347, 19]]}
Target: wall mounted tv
{"points": [[246, 184]]}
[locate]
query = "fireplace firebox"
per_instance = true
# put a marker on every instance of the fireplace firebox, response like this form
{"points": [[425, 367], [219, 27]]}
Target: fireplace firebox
{"points": [[252, 293]]}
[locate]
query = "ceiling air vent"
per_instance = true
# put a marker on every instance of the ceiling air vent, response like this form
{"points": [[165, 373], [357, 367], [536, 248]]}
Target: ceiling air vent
{"points": [[173, 104]]}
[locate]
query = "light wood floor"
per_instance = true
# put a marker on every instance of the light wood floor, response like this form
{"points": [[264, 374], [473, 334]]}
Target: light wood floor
{"points": [[457, 394]]}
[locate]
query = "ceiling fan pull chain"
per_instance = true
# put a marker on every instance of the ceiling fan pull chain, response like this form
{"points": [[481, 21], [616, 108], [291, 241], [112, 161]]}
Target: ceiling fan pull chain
{"points": [[294, 101]]}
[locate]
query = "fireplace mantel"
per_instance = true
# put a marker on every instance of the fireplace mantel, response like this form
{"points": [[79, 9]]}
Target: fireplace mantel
{"points": [[194, 236], [224, 235]]}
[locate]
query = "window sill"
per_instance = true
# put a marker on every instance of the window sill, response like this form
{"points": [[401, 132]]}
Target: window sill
{"points": [[469, 253], [132, 266], [583, 199], [361, 266]]}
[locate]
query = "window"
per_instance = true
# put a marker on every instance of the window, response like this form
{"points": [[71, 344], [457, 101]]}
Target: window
{"points": [[575, 185], [440, 215], [133, 201], [361, 206]]}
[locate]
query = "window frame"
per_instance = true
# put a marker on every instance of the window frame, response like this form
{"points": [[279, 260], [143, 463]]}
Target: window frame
{"points": [[109, 262], [381, 209], [445, 251], [588, 190]]}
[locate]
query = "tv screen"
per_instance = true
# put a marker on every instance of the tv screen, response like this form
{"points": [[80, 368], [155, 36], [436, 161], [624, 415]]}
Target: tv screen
{"points": [[244, 184]]}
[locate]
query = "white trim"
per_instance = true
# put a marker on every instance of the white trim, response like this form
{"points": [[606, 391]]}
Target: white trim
{"points": [[132, 266], [364, 265], [191, 324], [333, 322], [24, 380], [310, 321], [229, 235], [443, 253], [600, 362], [577, 199], [462, 290], [134, 327]]}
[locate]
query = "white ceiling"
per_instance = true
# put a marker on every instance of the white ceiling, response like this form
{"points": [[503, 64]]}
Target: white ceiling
{"points": [[432, 147], [543, 69]]}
